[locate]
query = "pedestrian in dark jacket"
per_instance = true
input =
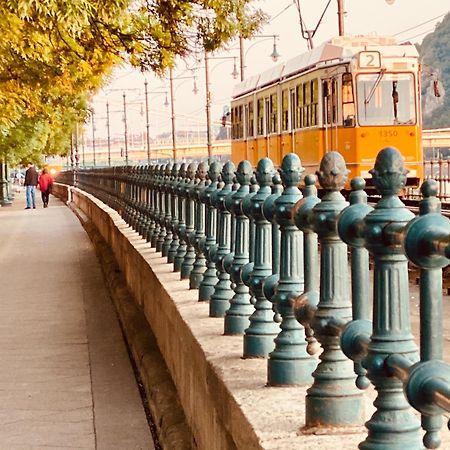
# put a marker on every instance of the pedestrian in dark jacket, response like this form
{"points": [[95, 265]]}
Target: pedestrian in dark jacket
{"points": [[31, 181], [45, 186]]}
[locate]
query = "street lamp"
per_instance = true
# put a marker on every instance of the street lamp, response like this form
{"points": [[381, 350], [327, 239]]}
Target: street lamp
{"points": [[274, 55], [124, 116], [172, 107], [108, 133], [208, 97], [166, 103], [93, 135]]}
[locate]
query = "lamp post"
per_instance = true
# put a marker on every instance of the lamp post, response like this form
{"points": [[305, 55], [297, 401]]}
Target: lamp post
{"points": [[83, 163], [172, 107], [274, 55], [124, 111], [108, 133], [125, 127], [93, 136], [208, 97], [147, 125]]}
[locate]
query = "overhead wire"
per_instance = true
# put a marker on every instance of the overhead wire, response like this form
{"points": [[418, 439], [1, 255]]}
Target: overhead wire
{"points": [[420, 24]]}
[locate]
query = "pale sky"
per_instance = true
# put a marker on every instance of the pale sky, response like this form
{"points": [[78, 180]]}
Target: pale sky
{"points": [[406, 19]]}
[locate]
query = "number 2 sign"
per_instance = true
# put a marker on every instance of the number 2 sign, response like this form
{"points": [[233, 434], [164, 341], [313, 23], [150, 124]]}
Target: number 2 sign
{"points": [[369, 60]]}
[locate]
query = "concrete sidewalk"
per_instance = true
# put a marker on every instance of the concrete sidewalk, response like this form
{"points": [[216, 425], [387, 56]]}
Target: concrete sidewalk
{"points": [[65, 376]]}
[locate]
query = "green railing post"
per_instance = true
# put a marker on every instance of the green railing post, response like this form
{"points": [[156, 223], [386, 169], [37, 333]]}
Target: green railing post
{"points": [[259, 336], [206, 288], [236, 317], [181, 251], [157, 204], [393, 425], [199, 267], [220, 299], [165, 171], [289, 363], [151, 210], [333, 400], [178, 174], [188, 235], [168, 208]]}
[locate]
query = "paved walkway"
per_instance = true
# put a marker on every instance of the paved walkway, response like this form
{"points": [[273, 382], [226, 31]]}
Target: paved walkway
{"points": [[65, 377]]}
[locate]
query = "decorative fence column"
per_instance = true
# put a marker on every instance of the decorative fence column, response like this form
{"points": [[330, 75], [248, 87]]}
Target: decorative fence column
{"points": [[350, 226], [164, 175], [167, 188], [178, 174], [206, 288], [271, 281], [304, 220], [181, 227], [220, 299], [333, 400], [157, 204], [426, 241], [236, 317], [196, 275], [393, 425], [126, 195], [289, 363], [189, 257], [140, 205], [259, 336], [151, 205], [143, 226]]}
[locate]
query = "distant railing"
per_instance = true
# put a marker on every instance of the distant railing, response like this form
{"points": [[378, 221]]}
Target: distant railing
{"points": [[249, 242]]}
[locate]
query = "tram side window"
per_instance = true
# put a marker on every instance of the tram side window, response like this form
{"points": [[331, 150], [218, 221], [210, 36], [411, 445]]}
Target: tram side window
{"points": [[233, 123], [334, 101], [284, 110], [273, 113], [348, 101], [239, 122], [299, 108], [306, 104], [260, 117], [293, 110], [251, 119], [314, 101]]}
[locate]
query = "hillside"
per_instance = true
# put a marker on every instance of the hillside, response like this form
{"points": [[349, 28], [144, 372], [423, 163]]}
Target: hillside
{"points": [[435, 56]]}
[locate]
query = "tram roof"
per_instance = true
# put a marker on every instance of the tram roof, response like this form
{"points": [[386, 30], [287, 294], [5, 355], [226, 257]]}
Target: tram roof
{"points": [[337, 50]]}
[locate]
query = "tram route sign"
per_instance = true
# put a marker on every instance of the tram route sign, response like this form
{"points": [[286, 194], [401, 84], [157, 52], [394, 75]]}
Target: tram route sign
{"points": [[369, 60]]}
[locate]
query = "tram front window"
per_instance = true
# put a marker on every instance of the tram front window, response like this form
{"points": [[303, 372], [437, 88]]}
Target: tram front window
{"points": [[386, 99]]}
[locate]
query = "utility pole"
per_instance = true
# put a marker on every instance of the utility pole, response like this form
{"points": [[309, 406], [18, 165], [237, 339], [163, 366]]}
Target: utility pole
{"points": [[109, 136], [147, 125], [208, 108], [172, 105], [93, 136], [125, 128], [241, 56], [341, 13]]}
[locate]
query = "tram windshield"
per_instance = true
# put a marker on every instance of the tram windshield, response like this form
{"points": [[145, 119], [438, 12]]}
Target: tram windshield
{"points": [[386, 99]]}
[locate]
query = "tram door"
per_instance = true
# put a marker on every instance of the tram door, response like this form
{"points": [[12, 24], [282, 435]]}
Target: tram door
{"points": [[330, 113]]}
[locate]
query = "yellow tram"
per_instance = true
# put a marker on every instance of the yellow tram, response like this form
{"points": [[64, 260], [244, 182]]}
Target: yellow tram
{"points": [[355, 95]]}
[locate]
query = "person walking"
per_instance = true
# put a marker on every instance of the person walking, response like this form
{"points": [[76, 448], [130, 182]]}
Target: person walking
{"points": [[31, 181], [45, 185]]}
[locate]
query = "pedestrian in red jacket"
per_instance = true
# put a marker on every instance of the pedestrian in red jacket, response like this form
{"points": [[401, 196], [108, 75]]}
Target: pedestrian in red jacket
{"points": [[45, 185]]}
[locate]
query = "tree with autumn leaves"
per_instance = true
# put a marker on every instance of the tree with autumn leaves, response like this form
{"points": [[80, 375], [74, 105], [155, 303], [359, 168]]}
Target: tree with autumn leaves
{"points": [[55, 54]]}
